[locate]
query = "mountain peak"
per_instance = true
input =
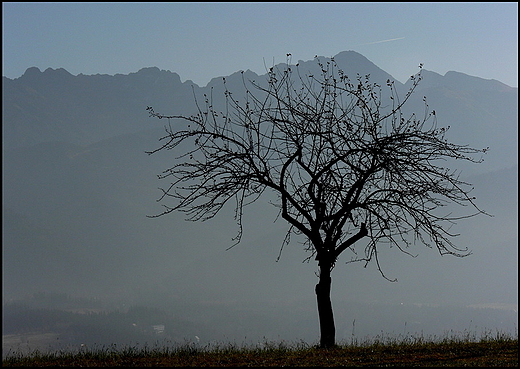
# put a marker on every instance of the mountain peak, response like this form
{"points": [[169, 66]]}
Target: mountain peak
{"points": [[353, 63], [156, 73], [57, 73], [32, 71], [460, 81], [57, 70], [149, 70], [472, 82], [352, 55], [36, 73]]}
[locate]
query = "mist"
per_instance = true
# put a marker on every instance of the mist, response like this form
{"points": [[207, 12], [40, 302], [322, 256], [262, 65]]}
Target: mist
{"points": [[80, 252]]}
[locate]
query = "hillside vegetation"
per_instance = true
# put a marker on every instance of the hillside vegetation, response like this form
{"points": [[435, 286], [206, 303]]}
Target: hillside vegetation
{"points": [[488, 351]]}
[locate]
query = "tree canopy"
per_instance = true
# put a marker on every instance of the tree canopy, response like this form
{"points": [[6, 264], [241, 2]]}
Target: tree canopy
{"points": [[343, 164], [343, 158]]}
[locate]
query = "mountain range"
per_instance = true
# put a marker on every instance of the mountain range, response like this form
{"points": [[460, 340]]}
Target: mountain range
{"points": [[77, 186]]}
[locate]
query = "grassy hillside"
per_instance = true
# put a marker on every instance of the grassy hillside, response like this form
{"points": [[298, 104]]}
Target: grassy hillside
{"points": [[499, 350]]}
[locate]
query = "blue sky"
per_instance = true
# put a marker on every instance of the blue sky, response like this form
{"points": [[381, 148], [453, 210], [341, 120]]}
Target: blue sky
{"points": [[204, 40]]}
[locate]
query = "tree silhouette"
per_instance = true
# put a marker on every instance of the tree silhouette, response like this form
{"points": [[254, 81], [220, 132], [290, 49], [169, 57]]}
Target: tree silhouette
{"points": [[345, 166]]}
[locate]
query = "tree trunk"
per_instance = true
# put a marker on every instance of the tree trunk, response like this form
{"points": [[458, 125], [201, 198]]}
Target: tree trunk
{"points": [[325, 314]]}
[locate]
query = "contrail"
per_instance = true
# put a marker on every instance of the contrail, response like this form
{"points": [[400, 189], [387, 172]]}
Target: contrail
{"points": [[378, 42]]}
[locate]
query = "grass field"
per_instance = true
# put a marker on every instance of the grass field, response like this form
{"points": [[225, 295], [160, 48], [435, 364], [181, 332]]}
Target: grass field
{"points": [[497, 350]]}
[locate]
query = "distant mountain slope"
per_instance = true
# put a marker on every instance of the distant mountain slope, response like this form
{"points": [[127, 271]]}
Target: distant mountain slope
{"points": [[77, 186], [480, 113], [55, 106], [460, 81]]}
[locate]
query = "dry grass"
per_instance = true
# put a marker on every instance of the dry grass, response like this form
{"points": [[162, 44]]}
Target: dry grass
{"points": [[498, 350]]}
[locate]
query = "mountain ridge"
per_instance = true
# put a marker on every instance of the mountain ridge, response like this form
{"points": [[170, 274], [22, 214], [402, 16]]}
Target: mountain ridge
{"points": [[55, 105], [455, 80], [355, 60], [78, 186]]}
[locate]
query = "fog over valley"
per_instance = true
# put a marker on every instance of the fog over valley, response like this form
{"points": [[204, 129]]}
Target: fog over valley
{"points": [[82, 262]]}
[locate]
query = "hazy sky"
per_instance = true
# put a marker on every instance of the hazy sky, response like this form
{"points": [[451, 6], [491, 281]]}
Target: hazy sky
{"points": [[204, 40]]}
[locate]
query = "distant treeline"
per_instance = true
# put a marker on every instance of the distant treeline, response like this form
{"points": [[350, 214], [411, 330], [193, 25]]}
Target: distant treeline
{"points": [[137, 324]]}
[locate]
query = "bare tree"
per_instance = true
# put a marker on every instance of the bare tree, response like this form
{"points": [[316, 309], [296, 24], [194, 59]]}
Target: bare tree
{"points": [[345, 166]]}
